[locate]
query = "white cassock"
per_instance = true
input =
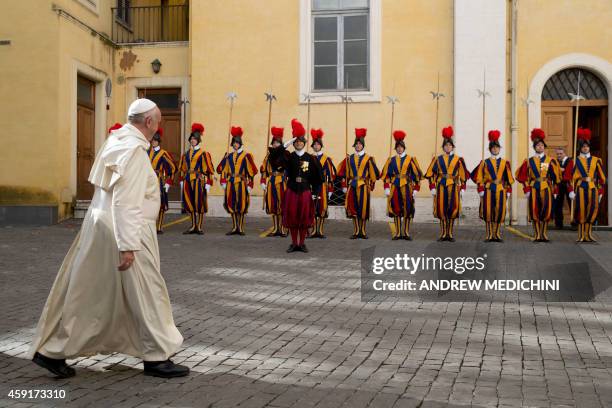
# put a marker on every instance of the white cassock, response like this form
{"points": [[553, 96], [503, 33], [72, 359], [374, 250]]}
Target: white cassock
{"points": [[93, 307]]}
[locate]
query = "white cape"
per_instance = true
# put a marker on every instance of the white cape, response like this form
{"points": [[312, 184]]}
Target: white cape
{"points": [[93, 307]]}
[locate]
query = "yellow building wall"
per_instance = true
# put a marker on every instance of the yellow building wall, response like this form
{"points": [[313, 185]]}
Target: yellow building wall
{"points": [[29, 72], [39, 107], [549, 29], [251, 46]]}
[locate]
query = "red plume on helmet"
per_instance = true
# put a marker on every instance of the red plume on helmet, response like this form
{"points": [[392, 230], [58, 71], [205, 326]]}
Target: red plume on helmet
{"points": [[399, 135], [360, 132], [297, 128], [197, 127], [584, 134], [537, 134], [236, 131], [316, 134], [448, 132], [494, 135], [277, 132], [115, 127]]}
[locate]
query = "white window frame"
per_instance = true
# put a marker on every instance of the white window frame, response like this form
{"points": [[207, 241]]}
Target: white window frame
{"points": [[307, 55]]}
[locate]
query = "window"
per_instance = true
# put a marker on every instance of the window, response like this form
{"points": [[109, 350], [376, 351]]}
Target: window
{"points": [[92, 5], [123, 11], [340, 45]]}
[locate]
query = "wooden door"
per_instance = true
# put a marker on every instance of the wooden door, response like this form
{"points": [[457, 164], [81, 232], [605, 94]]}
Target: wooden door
{"points": [[168, 101], [595, 118], [85, 136], [557, 125]]}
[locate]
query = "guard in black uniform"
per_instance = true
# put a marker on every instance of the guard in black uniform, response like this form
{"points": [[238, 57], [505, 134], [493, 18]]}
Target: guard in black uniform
{"points": [[304, 179]]}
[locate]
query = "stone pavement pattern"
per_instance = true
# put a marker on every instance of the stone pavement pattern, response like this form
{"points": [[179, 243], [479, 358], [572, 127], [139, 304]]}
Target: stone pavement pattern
{"points": [[267, 328]]}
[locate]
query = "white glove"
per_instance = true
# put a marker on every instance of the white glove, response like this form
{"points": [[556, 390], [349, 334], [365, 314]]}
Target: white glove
{"points": [[433, 191], [555, 196], [572, 195], [223, 185], [344, 190], [527, 194], [181, 185], [289, 142], [263, 186], [207, 187], [315, 197], [600, 196], [461, 193], [480, 193], [508, 195], [414, 193], [329, 193], [166, 187], [387, 192], [249, 189]]}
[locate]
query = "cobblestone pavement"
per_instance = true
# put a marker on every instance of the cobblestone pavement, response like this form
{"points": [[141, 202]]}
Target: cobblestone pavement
{"points": [[267, 328]]}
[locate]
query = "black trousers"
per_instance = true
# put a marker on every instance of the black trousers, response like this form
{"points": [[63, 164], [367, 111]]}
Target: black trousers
{"points": [[559, 202]]}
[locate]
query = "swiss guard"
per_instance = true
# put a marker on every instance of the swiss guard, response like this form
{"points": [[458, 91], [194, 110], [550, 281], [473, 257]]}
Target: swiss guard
{"points": [[165, 169], [447, 175], [114, 127], [494, 179], [587, 187], [304, 178], [273, 181], [197, 174], [237, 170], [402, 176], [327, 187], [539, 176], [359, 173]]}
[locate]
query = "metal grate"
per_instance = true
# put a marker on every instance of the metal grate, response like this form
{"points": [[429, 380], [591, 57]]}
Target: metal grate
{"points": [[559, 86]]}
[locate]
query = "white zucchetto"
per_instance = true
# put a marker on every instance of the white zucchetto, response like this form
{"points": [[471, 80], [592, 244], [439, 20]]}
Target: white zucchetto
{"points": [[141, 105]]}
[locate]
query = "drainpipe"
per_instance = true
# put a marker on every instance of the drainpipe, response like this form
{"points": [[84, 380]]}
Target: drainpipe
{"points": [[514, 120]]}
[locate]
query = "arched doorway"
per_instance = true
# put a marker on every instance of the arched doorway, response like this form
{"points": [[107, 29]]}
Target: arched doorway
{"points": [[558, 115]]}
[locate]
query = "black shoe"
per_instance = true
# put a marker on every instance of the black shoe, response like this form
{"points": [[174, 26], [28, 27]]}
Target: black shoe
{"points": [[363, 236], [271, 234], [354, 236], [239, 232], [232, 232], [159, 232], [450, 239], [199, 232], [56, 366], [321, 236], [189, 231], [395, 238], [408, 238], [165, 369], [441, 239], [292, 248], [303, 248]]}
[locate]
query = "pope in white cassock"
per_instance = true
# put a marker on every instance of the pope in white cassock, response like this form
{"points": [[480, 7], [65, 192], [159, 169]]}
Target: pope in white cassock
{"points": [[109, 295]]}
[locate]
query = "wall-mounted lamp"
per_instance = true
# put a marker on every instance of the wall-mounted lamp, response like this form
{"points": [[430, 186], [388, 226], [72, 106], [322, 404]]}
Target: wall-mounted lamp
{"points": [[156, 65]]}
